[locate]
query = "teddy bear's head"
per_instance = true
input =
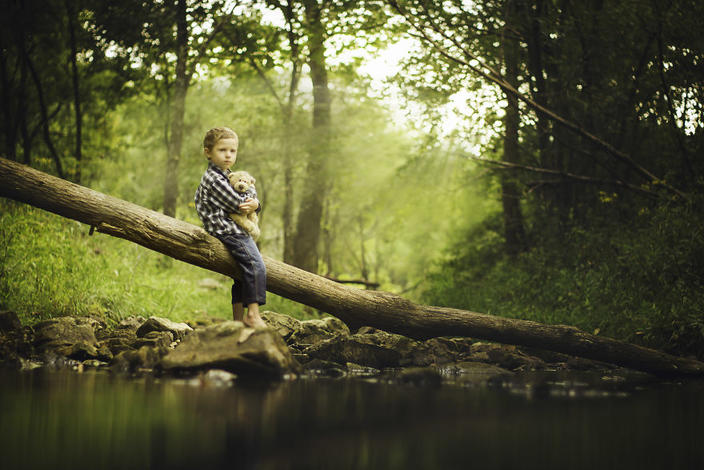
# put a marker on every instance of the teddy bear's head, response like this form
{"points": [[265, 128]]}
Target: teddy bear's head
{"points": [[241, 181]]}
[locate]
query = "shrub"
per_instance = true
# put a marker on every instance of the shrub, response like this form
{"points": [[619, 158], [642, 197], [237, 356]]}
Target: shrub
{"points": [[640, 280]]}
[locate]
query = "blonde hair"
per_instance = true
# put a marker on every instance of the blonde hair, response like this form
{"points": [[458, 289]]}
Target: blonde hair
{"points": [[218, 133]]}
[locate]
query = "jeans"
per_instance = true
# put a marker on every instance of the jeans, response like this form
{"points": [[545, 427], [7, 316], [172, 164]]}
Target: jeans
{"points": [[252, 288]]}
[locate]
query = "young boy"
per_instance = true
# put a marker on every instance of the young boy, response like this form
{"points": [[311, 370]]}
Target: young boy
{"points": [[215, 200]]}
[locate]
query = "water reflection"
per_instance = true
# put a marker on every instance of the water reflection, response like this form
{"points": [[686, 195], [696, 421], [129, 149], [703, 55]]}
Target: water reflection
{"points": [[96, 420]]}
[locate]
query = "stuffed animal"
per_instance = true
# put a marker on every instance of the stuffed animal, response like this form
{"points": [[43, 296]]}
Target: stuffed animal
{"points": [[243, 183]]}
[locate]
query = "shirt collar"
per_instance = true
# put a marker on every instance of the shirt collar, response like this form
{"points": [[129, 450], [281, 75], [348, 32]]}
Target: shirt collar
{"points": [[213, 166]]}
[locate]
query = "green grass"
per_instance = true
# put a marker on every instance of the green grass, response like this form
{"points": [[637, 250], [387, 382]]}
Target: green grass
{"points": [[50, 266]]}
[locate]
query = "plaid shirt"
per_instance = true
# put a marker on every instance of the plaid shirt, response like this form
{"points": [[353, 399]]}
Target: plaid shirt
{"points": [[216, 199]]}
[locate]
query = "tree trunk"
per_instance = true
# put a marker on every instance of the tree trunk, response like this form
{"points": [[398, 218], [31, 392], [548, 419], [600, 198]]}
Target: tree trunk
{"points": [[76, 88], [178, 109], [356, 307], [514, 233], [10, 144], [287, 148], [535, 48], [44, 111], [310, 214]]}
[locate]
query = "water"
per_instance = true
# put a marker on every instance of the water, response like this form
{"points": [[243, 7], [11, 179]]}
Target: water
{"points": [[97, 420]]}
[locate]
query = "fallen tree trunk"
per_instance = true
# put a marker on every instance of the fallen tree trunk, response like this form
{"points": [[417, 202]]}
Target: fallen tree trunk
{"points": [[356, 307]]}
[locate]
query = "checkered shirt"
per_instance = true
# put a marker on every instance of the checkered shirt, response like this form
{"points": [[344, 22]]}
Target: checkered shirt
{"points": [[215, 199]]}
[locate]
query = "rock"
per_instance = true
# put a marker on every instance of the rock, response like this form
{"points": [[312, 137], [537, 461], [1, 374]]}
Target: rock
{"points": [[301, 334], [117, 345], [126, 329], [232, 347], [300, 357], [9, 321], [378, 349], [284, 325], [131, 323], [71, 337], [78, 351], [507, 357], [155, 339], [321, 368], [474, 373], [315, 331], [15, 345], [367, 350], [205, 321], [358, 370], [179, 330], [425, 376], [217, 378], [434, 351], [132, 360]]}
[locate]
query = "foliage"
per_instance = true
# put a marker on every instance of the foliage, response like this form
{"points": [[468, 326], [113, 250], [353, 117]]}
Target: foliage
{"points": [[641, 281], [51, 266]]}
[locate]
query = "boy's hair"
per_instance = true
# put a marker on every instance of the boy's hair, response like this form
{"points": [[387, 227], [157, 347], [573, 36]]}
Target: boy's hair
{"points": [[217, 133]]}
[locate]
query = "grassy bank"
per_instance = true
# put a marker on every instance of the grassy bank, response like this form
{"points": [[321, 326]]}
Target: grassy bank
{"points": [[51, 266]]}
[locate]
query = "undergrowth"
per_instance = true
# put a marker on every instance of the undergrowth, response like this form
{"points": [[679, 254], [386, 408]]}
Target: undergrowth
{"points": [[50, 266], [640, 281]]}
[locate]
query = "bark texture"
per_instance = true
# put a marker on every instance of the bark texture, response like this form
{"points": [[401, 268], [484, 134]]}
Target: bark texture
{"points": [[355, 307]]}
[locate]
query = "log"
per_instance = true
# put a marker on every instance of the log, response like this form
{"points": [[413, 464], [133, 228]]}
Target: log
{"points": [[356, 307]]}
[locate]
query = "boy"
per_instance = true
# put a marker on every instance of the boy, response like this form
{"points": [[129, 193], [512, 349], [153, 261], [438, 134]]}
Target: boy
{"points": [[215, 200]]}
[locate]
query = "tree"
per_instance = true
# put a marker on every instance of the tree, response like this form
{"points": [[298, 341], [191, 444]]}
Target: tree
{"points": [[514, 231], [58, 84], [310, 214], [164, 39]]}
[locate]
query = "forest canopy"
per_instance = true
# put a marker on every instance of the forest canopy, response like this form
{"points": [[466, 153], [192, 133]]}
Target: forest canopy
{"points": [[534, 159]]}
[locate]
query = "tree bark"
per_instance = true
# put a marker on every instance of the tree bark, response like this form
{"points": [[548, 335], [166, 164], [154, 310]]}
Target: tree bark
{"points": [[44, 111], [514, 232], [310, 214], [356, 307], [178, 110], [287, 148], [70, 14], [10, 144]]}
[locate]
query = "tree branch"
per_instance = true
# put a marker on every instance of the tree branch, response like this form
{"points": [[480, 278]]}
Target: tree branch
{"points": [[487, 72], [563, 174]]}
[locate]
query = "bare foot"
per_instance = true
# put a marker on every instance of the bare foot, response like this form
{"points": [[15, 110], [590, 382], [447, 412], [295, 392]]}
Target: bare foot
{"points": [[254, 321], [246, 333]]}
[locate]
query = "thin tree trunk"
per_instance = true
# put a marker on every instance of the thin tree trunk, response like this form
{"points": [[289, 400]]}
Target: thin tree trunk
{"points": [[356, 307], [288, 211], [78, 154], [44, 113], [10, 146], [514, 231], [177, 112], [535, 64]]}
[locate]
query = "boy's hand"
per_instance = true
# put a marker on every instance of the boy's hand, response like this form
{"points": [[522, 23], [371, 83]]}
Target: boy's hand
{"points": [[249, 205]]}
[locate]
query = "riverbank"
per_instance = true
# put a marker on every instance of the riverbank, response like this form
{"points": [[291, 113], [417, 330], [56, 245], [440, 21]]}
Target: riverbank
{"points": [[225, 351]]}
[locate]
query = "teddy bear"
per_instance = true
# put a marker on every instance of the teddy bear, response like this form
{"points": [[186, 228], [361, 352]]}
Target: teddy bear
{"points": [[243, 183]]}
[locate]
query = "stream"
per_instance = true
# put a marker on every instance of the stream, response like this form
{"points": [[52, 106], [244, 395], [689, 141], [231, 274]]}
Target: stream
{"points": [[94, 419]]}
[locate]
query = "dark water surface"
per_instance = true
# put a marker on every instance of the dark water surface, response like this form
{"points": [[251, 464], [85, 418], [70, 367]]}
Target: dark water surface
{"points": [[96, 420]]}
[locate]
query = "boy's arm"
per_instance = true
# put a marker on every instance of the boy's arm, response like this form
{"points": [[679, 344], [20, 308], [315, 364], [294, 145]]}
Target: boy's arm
{"points": [[224, 195], [259, 204]]}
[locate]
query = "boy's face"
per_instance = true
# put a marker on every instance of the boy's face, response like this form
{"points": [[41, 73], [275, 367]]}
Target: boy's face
{"points": [[223, 154]]}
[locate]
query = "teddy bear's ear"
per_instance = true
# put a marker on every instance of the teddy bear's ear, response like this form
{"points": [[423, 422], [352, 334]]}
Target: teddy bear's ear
{"points": [[253, 180]]}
